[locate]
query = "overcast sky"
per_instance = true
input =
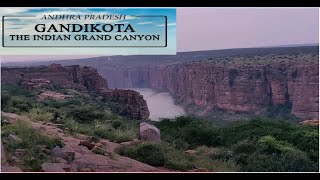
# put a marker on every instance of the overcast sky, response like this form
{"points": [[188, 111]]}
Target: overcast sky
{"points": [[224, 28]]}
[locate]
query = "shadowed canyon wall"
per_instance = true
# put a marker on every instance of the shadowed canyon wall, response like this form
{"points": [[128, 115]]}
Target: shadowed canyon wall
{"points": [[234, 87]]}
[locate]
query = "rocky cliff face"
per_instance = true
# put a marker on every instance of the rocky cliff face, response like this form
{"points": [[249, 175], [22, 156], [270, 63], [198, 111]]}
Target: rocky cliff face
{"points": [[241, 85], [56, 74], [129, 102]]}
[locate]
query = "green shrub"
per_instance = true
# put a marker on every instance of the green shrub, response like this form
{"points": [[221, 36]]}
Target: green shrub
{"points": [[16, 90], [85, 114], [189, 132], [306, 138], [116, 124], [20, 104], [271, 145], [62, 103], [149, 153], [40, 114], [257, 128], [5, 101], [245, 146], [103, 133], [123, 135], [219, 153], [269, 154], [288, 162]]}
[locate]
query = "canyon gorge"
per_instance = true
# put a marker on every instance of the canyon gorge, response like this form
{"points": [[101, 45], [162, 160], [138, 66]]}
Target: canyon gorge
{"points": [[236, 80]]}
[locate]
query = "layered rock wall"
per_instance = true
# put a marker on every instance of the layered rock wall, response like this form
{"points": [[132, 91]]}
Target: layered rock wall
{"points": [[241, 88]]}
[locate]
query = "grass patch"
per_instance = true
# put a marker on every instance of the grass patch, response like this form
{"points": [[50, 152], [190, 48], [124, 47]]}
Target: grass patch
{"points": [[149, 153], [162, 154], [31, 139], [103, 130], [216, 165], [40, 114]]}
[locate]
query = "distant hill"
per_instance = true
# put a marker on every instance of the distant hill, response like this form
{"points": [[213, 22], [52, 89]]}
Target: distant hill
{"points": [[162, 60]]}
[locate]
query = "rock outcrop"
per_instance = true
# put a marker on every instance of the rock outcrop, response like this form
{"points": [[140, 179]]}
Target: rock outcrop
{"points": [[53, 95], [92, 80], [314, 122], [31, 84], [242, 85], [130, 103], [55, 74]]}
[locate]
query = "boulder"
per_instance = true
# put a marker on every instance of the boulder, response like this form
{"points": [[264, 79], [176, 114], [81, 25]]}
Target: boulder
{"points": [[11, 118], [14, 139], [54, 167], [4, 122], [61, 160], [58, 152], [87, 144], [191, 152], [149, 132], [99, 150], [99, 144], [10, 169]]}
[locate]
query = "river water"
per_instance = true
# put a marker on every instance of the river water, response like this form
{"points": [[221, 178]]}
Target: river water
{"points": [[160, 104]]}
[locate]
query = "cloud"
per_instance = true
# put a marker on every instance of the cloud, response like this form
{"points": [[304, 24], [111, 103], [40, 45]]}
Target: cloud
{"points": [[143, 23], [169, 24], [12, 11]]}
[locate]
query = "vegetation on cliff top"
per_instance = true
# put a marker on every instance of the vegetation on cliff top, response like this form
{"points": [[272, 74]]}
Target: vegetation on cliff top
{"points": [[260, 144]]}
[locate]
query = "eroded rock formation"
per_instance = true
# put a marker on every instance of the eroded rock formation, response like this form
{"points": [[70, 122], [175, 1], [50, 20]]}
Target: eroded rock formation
{"points": [[129, 102]]}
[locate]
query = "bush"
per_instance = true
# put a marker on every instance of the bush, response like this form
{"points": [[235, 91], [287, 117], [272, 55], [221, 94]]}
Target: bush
{"points": [[268, 154], [271, 145], [38, 114], [257, 128], [123, 135], [306, 138], [5, 101], [149, 153], [116, 124], [85, 114], [20, 104], [245, 146], [189, 132], [15, 90], [288, 162], [219, 153], [62, 103]]}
